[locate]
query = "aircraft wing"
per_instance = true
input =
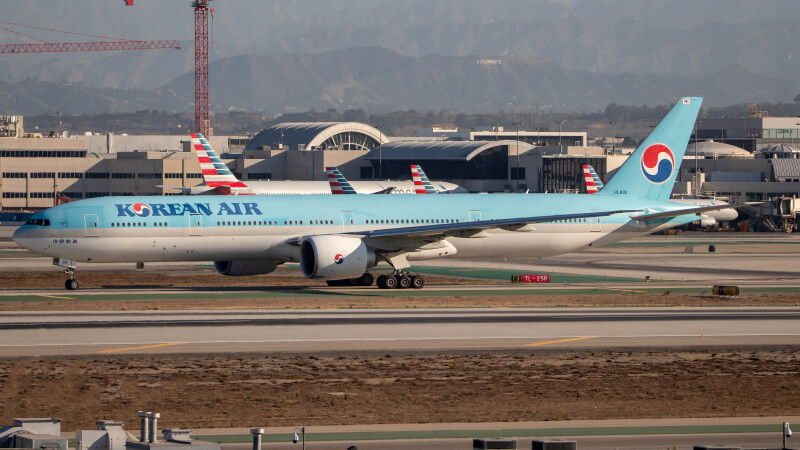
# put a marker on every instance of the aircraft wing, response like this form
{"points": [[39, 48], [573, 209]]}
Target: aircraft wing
{"points": [[681, 212], [477, 226]]}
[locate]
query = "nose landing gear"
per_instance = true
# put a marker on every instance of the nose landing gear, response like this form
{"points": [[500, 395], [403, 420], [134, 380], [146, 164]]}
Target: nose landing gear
{"points": [[71, 284], [70, 268]]}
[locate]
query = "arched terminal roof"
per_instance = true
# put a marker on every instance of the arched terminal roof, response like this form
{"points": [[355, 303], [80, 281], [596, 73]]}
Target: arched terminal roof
{"points": [[440, 150], [781, 149], [318, 135], [446, 160], [716, 149]]}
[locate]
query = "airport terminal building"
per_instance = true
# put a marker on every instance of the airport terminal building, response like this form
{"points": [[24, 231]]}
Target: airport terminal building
{"points": [[34, 169]]}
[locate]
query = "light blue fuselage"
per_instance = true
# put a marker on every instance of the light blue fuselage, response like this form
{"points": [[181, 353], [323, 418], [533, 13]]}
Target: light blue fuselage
{"points": [[202, 228]]}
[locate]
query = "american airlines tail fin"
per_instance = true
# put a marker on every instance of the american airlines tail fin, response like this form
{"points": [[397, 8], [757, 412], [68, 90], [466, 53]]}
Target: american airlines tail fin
{"points": [[651, 170], [215, 173], [422, 185], [339, 184], [593, 182]]}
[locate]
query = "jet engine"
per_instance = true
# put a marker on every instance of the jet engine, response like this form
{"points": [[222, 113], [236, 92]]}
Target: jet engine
{"points": [[707, 221], [245, 267], [335, 257]]}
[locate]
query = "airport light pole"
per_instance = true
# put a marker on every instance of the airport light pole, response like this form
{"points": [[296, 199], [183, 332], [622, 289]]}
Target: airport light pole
{"points": [[696, 123], [380, 152], [613, 137], [560, 122], [302, 433], [516, 183]]}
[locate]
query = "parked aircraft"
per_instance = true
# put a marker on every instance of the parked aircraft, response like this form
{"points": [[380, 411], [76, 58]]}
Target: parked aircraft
{"points": [[219, 180], [341, 237], [707, 219]]}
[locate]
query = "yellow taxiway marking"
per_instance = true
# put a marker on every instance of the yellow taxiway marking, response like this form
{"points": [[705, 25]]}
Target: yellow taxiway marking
{"points": [[140, 348], [53, 296], [559, 341]]}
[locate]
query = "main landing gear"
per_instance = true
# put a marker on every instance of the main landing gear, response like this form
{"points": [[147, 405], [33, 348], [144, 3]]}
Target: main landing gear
{"points": [[402, 280], [399, 279], [364, 280]]}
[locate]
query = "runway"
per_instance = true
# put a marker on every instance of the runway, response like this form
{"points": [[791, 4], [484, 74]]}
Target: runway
{"points": [[281, 331]]}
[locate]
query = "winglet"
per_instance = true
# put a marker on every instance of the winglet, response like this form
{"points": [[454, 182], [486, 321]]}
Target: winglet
{"points": [[339, 184], [215, 173], [422, 185]]}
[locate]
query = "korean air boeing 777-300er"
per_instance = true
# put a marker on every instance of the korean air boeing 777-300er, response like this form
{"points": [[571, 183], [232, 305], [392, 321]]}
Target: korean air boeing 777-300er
{"points": [[341, 237]]}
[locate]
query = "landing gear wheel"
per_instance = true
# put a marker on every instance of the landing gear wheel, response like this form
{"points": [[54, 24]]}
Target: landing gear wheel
{"points": [[71, 284], [334, 282], [366, 280], [381, 281], [417, 282], [403, 282], [388, 282]]}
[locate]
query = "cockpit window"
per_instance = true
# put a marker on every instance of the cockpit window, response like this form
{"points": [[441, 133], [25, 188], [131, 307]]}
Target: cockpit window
{"points": [[39, 222]]}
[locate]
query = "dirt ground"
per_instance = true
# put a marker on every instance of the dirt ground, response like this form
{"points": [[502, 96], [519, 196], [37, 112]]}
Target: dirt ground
{"points": [[329, 389], [291, 280], [239, 390]]}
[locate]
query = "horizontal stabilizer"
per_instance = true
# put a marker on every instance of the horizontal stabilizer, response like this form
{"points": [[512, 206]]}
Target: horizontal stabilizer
{"points": [[682, 212]]}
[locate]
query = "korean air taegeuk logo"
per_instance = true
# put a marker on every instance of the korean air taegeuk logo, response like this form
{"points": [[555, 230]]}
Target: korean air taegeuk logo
{"points": [[658, 163]]}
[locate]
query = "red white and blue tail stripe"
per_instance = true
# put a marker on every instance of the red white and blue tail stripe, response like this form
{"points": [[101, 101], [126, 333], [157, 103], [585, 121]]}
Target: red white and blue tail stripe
{"points": [[422, 185], [593, 182], [339, 184], [215, 173]]}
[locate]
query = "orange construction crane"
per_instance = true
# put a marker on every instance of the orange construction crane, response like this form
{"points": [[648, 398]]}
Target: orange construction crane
{"points": [[91, 46], [202, 120]]}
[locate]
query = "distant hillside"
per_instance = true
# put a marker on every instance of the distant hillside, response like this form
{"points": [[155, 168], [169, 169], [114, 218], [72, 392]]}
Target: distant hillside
{"points": [[32, 97], [379, 80], [613, 46], [382, 80]]}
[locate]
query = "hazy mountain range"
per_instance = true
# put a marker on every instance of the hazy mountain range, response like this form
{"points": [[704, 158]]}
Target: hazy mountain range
{"points": [[274, 56]]}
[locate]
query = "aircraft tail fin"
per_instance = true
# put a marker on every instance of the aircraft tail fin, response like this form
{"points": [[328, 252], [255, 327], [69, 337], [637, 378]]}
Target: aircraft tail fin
{"points": [[422, 185], [593, 182], [215, 173], [339, 184], [651, 170]]}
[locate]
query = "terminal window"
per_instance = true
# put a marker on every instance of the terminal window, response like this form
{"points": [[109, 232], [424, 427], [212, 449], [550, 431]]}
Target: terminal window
{"points": [[70, 175], [13, 195], [14, 175], [259, 176], [96, 174]]}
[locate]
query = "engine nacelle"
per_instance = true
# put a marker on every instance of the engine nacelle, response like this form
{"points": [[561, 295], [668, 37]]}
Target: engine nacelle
{"points": [[707, 221], [245, 267], [335, 257]]}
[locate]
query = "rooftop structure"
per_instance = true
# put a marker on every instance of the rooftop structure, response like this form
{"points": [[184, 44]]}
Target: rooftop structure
{"points": [[318, 136]]}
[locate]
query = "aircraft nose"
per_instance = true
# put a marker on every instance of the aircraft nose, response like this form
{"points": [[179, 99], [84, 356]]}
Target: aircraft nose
{"points": [[20, 237]]}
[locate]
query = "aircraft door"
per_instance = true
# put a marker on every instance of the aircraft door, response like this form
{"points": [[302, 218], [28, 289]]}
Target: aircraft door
{"points": [[594, 224], [474, 216], [348, 220], [92, 225], [195, 224]]}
